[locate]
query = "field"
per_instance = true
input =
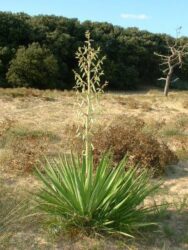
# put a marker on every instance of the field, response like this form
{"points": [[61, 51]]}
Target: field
{"points": [[34, 123]]}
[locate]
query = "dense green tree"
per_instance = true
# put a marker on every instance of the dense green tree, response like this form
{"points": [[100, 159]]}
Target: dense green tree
{"points": [[34, 66], [6, 54], [14, 29], [130, 61]]}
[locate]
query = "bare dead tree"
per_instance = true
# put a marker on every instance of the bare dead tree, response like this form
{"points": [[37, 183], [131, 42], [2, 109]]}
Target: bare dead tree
{"points": [[175, 58]]}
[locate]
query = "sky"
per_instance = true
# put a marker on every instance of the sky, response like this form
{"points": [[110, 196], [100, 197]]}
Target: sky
{"points": [[158, 16]]}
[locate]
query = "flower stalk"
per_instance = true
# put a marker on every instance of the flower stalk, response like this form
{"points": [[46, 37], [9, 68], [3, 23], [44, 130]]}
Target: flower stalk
{"points": [[88, 83]]}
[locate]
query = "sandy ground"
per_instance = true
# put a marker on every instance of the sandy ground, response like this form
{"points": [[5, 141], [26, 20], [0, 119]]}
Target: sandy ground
{"points": [[54, 111]]}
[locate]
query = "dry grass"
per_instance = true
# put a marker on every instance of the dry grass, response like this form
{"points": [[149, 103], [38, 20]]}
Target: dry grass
{"points": [[185, 104], [132, 103], [33, 123], [21, 148]]}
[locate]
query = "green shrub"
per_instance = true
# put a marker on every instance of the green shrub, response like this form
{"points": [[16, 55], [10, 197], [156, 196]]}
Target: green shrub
{"points": [[109, 200], [34, 66]]}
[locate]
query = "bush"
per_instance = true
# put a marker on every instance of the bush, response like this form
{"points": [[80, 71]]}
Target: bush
{"points": [[34, 66], [126, 137], [23, 148], [141, 148], [5, 126], [109, 200]]}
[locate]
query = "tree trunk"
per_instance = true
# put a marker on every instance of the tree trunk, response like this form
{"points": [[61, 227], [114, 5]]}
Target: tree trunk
{"points": [[167, 83]]}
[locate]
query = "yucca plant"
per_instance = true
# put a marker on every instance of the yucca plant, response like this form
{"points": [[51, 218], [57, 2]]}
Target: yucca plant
{"points": [[76, 193], [109, 200]]}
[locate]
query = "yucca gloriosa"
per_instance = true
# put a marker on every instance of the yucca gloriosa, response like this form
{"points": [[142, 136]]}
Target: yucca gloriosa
{"points": [[108, 200], [98, 198]]}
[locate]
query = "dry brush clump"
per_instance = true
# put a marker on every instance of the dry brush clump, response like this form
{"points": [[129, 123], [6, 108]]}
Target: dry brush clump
{"points": [[6, 125], [126, 137], [26, 152], [20, 92], [23, 148], [132, 103], [140, 148], [26, 93], [185, 104]]}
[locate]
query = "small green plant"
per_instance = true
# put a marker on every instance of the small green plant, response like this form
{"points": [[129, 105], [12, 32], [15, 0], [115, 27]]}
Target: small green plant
{"points": [[170, 131], [168, 231]]}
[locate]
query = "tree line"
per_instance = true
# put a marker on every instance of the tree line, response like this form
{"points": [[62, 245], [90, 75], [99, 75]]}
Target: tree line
{"points": [[39, 52]]}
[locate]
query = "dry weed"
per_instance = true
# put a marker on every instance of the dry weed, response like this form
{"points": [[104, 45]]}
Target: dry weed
{"points": [[22, 148], [126, 137], [130, 103], [6, 125], [185, 104]]}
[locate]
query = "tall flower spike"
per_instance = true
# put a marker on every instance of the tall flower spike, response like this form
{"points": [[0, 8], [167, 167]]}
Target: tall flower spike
{"points": [[88, 85]]}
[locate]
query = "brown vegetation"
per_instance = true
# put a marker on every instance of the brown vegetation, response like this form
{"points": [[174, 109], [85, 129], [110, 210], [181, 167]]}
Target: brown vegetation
{"points": [[31, 126], [127, 137], [22, 148]]}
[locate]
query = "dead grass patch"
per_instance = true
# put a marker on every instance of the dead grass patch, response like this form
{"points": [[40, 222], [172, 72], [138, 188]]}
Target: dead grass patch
{"points": [[185, 104], [22, 149], [10, 94], [177, 127], [6, 125]]}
